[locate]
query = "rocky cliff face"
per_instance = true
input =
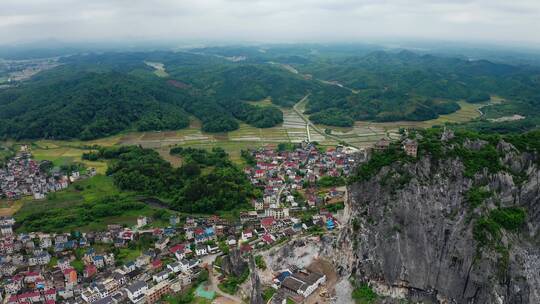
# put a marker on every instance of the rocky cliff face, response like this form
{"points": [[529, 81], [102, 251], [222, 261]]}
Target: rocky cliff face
{"points": [[411, 232], [234, 264], [256, 287]]}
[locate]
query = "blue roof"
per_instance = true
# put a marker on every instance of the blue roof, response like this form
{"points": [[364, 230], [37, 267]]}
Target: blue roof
{"points": [[330, 224], [169, 231], [282, 276]]}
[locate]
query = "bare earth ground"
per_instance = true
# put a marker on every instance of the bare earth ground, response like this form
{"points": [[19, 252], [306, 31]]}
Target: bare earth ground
{"points": [[8, 208], [326, 292]]}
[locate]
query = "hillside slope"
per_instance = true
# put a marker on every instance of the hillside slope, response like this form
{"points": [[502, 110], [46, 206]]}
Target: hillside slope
{"points": [[89, 105], [407, 86]]}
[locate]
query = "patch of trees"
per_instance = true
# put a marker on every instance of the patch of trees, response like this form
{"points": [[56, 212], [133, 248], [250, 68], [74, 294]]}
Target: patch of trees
{"points": [[487, 229], [100, 95], [332, 117], [215, 157], [260, 117], [478, 97], [187, 189], [378, 160], [331, 181]]}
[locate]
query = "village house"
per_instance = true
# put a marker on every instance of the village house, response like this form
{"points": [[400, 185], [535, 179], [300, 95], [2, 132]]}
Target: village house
{"points": [[156, 293], [186, 265], [247, 234], [161, 276], [201, 250], [142, 221], [410, 147], [136, 291], [161, 244], [303, 282], [381, 145], [39, 258]]}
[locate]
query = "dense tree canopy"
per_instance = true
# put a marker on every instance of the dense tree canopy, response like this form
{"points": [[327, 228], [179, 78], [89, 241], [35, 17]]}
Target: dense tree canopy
{"points": [[97, 95], [223, 187], [89, 105], [384, 86]]}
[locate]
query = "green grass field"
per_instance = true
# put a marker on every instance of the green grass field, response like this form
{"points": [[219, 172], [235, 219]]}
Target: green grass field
{"points": [[262, 103], [65, 203]]}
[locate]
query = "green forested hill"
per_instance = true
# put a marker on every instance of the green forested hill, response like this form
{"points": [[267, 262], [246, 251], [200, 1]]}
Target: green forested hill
{"points": [[89, 105], [408, 86], [85, 100], [95, 95]]}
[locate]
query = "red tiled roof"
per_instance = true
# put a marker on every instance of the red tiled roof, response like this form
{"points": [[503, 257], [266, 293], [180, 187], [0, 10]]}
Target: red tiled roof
{"points": [[176, 248], [30, 294], [68, 270], [267, 222], [267, 238], [246, 248]]}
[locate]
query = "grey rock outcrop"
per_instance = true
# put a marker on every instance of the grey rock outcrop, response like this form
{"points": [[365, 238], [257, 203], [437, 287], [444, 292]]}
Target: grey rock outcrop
{"points": [[234, 263], [415, 239], [256, 287]]}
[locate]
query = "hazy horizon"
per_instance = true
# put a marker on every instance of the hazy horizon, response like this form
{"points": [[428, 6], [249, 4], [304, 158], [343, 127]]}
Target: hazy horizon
{"points": [[255, 21]]}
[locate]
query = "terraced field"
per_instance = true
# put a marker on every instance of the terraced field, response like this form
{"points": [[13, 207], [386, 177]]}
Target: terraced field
{"points": [[365, 133], [293, 129]]}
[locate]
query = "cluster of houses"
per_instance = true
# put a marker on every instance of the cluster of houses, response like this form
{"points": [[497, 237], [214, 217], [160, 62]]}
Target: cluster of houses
{"points": [[82, 267], [43, 266], [67, 267], [23, 176], [281, 174]]}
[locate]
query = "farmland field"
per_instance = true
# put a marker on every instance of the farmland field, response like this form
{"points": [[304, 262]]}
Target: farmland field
{"points": [[365, 133], [63, 153], [262, 103], [293, 129], [8, 208]]}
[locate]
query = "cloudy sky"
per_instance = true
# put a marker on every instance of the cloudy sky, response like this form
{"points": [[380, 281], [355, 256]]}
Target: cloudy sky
{"points": [[499, 21]]}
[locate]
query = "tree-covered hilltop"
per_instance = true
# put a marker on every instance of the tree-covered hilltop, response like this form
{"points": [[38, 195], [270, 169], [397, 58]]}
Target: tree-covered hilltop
{"points": [[220, 187], [407, 86], [99, 95], [89, 105], [95, 95]]}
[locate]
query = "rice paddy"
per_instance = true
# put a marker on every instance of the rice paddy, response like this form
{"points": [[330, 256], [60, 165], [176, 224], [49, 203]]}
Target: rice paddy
{"points": [[293, 130], [365, 133]]}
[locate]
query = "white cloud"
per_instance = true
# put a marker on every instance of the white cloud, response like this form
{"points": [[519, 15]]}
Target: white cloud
{"points": [[269, 20]]}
